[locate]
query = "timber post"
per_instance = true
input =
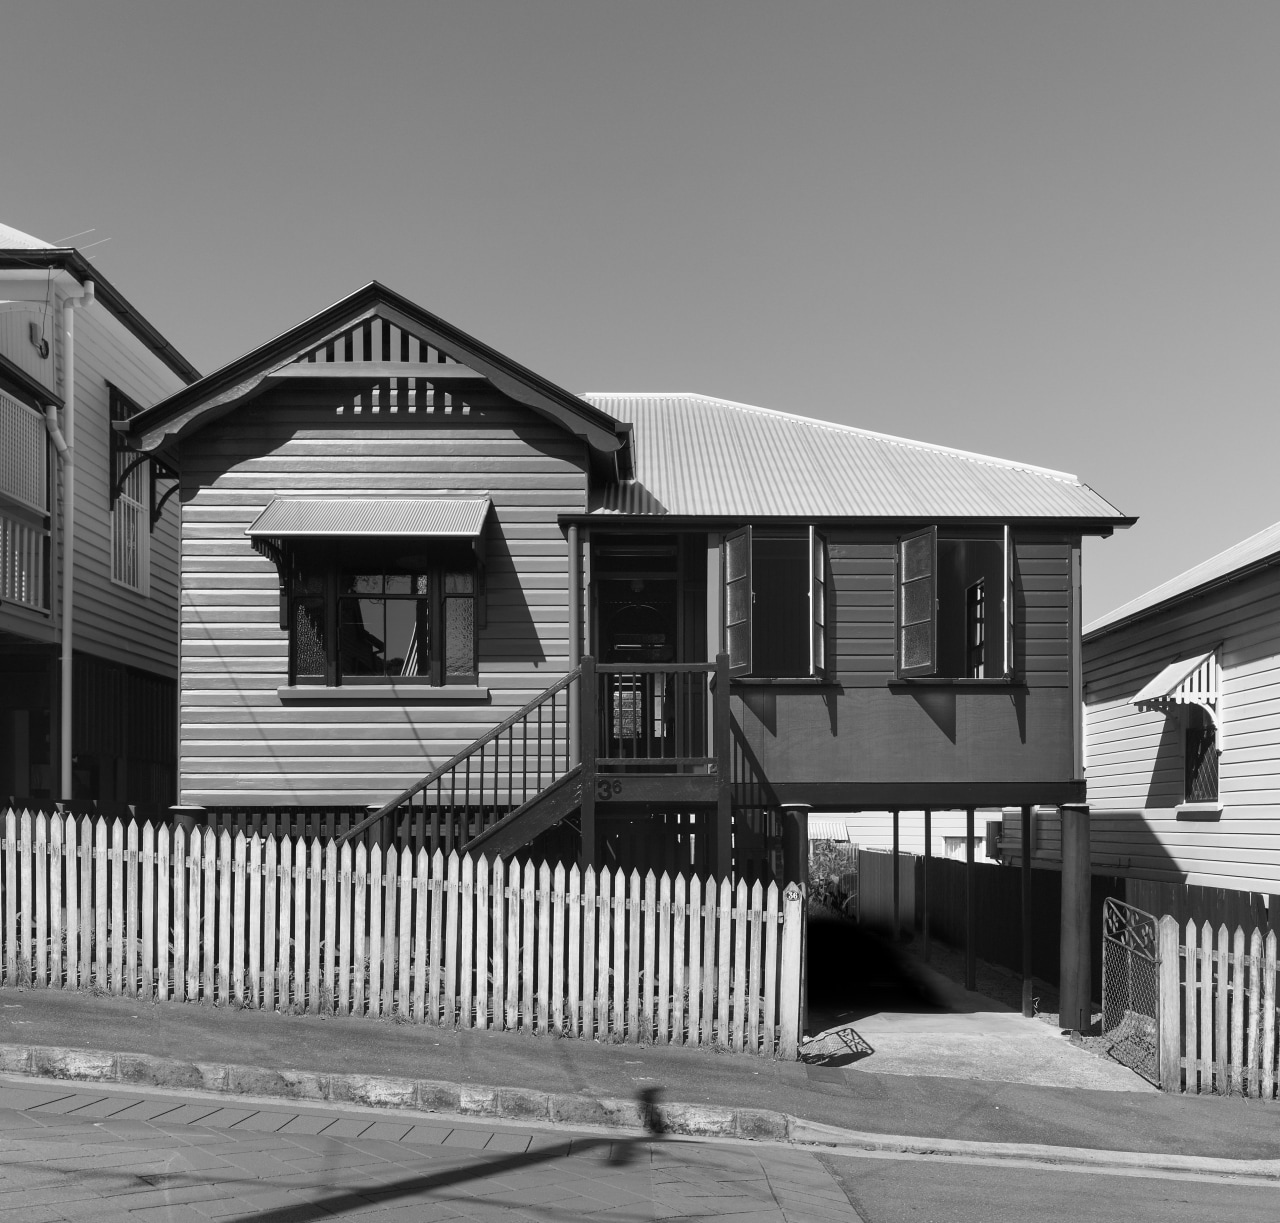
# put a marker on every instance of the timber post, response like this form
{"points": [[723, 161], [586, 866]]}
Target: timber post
{"points": [[897, 883], [924, 882], [722, 857], [1028, 1005], [970, 906], [791, 1005], [1076, 1004], [588, 725]]}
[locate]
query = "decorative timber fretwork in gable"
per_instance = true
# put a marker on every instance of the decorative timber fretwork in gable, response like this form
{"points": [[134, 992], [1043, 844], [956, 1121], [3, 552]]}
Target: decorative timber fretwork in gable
{"points": [[389, 360]]}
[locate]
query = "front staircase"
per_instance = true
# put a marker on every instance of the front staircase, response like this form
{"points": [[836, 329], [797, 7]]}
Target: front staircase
{"points": [[637, 738]]}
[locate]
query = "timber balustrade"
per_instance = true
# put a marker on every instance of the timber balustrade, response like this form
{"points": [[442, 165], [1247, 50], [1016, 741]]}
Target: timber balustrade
{"points": [[308, 925]]}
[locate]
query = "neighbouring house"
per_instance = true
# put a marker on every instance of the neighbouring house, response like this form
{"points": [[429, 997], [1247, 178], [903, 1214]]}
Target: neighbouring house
{"points": [[1182, 718], [639, 628], [88, 632]]}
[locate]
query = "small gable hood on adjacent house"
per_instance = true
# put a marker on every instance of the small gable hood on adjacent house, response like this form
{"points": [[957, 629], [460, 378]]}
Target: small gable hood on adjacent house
{"points": [[675, 456]]}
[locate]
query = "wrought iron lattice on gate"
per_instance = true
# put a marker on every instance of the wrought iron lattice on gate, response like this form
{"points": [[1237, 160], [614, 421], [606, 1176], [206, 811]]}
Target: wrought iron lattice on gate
{"points": [[1131, 987]]}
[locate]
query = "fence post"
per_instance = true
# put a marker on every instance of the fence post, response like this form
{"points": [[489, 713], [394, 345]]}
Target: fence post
{"points": [[588, 749], [1169, 1011], [792, 947]]}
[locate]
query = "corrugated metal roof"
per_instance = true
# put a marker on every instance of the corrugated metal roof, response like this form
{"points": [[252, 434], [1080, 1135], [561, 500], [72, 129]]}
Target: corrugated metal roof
{"points": [[459, 517], [15, 240], [701, 456], [1248, 552], [828, 828]]}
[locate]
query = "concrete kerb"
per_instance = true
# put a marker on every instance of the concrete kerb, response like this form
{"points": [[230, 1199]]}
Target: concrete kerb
{"points": [[576, 1111], [422, 1095]]}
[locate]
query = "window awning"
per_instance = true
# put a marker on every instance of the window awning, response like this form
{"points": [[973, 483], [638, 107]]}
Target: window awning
{"points": [[304, 518], [1192, 680]]}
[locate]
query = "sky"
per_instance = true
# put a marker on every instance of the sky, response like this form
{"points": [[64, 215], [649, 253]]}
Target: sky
{"points": [[1045, 231]]}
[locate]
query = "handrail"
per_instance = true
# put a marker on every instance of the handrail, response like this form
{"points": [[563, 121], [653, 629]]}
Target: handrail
{"points": [[468, 751]]}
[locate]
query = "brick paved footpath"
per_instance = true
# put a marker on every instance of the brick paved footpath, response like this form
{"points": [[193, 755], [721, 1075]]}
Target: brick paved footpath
{"points": [[70, 1152]]}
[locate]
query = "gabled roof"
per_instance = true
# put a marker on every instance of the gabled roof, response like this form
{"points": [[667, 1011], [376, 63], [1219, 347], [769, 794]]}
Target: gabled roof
{"points": [[20, 250], [1230, 565], [234, 384], [699, 456]]}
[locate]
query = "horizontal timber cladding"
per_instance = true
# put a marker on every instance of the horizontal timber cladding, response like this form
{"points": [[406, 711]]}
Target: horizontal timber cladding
{"points": [[1135, 757], [866, 729], [137, 628], [240, 743]]}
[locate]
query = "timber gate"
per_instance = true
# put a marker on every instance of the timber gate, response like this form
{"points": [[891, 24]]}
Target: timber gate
{"points": [[1131, 987]]}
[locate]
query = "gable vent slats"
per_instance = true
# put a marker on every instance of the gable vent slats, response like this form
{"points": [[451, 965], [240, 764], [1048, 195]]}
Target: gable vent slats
{"points": [[376, 339]]}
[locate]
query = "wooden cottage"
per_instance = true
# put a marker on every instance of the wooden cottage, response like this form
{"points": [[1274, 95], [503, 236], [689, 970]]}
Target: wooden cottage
{"points": [[417, 576], [1182, 716], [88, 546]]}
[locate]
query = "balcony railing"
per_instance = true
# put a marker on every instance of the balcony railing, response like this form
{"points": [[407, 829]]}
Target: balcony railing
{"points": [[23, 561], [656, 715]]}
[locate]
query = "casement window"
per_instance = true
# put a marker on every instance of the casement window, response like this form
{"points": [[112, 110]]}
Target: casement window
{"points": [[775, 603], [131, 501], [955, 604], [24, 505], [354, 620]]}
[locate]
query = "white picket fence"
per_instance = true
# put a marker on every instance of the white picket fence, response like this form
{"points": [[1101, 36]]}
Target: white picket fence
{"points": [[307, 926], [1217, 1011]]}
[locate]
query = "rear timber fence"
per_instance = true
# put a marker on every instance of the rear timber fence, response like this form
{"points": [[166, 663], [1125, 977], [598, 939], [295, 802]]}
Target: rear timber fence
{"points": [[303, 925]]}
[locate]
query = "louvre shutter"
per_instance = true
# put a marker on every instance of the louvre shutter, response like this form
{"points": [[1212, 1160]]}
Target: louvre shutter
{"points": [[918, 603], [1008, 603], [737, 600]]}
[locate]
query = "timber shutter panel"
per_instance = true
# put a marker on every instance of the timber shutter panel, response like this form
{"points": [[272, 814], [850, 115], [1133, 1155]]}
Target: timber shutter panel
{"points": [[737, 600], [918, 603], [817, 604]]}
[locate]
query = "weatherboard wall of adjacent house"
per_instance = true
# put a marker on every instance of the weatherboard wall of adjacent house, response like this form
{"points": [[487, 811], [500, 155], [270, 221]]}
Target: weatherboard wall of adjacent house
{"points": [[137, 628], [1135, 756], [241, 743]]}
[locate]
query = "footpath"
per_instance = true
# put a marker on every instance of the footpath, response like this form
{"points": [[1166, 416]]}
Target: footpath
{"points": [[911, 1101]]}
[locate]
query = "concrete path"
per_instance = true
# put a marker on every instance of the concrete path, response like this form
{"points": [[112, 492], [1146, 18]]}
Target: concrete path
{"points": [[72, 1153], [969, 1036]]}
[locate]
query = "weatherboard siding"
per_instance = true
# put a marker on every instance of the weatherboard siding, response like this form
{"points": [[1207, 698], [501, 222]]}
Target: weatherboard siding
{"points": [[239, 742], [1134, 758], [870, 731], [138, 629]]}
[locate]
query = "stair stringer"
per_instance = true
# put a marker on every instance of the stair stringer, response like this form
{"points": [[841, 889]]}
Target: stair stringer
{"points": [[544, 810]]}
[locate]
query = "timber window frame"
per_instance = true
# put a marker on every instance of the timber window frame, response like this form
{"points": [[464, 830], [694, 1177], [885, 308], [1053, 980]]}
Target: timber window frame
{"points": [[954, 605], [132, 498], [360, 620], [774, 619]]}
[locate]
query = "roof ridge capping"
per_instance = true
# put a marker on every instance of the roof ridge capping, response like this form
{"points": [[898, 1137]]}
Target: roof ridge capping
{"points": [[890, 438]]}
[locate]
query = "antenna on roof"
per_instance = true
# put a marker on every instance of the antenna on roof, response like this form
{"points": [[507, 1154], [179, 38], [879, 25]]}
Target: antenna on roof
{"points": [[81, 234]]}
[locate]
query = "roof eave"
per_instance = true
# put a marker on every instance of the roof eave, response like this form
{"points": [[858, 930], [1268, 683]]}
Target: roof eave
{"points": [[73, 262], [220, 392], [1097, 629]]}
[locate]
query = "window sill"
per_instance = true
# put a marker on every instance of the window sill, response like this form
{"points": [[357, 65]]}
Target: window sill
{"points": [[400, 694], [1199, 813], [779, 681], [939, 681]]}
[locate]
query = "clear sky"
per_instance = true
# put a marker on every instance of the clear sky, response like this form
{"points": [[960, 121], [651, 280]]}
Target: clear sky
{"points": [[1047, 231]]}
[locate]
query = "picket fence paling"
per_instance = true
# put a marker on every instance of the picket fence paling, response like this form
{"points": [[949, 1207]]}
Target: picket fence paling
{"points": [[287, 923], [1218, 1010]]}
